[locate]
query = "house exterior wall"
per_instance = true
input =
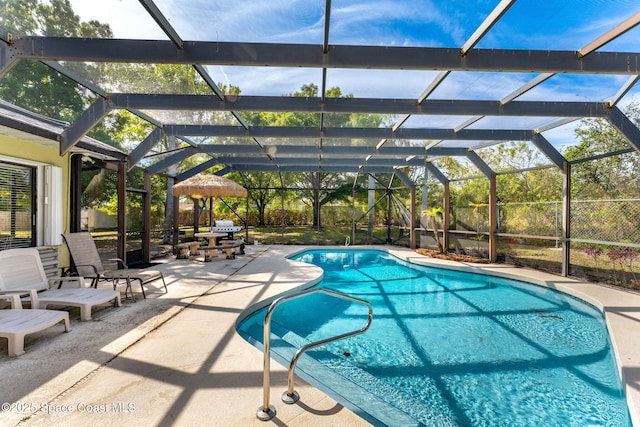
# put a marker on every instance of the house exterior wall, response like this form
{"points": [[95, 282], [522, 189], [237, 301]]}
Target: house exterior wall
{"points": [[19, 151]]}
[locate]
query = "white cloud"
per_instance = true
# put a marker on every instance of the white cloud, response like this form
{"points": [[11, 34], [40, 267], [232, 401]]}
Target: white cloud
{"points": [[266, 81], [264, 21], [127, 18]]}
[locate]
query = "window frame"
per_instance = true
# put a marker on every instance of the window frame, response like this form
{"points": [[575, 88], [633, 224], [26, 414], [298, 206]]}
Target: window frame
{"points": [[38, 196]]}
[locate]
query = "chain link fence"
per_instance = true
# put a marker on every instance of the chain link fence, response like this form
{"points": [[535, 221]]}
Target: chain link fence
{"points": [[605, 234], [606, 220], [532, 219], [614, 221]]}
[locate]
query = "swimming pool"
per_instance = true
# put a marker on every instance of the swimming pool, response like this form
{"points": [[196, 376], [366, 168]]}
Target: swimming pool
{"points": [[449, 348]]}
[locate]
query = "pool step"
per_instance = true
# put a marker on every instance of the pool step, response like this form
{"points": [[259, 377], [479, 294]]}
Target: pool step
{"points": [[399, 409], [395, 398]]}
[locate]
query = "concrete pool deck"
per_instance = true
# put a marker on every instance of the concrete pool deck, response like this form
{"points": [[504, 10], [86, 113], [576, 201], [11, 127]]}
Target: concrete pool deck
{"points": [[176, 359]]}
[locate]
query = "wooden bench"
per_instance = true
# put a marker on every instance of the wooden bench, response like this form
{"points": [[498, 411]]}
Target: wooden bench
{"points": [[186, 249], [227, 248]]}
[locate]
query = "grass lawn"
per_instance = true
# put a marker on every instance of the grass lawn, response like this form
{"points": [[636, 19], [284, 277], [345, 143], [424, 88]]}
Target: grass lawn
{"points": [[597, 269], [600, 268]]}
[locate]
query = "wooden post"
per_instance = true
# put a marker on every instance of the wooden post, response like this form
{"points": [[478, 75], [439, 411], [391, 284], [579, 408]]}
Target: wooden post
{"points": [[196, 215], [122, 211], [176, 220], [211, 211], [246, 219], [146, 219], [371, 200], [75, 196]]}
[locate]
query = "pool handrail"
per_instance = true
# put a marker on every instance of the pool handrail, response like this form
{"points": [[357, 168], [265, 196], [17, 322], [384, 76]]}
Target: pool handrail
{"points": [[267, 411]]}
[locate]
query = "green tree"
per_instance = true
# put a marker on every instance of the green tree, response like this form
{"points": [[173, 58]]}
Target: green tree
{"points": [[261, 191], [434, 214], [33, 85], [129, 130], [36, 87], [317, 188], [608, 176], [535, 183]]}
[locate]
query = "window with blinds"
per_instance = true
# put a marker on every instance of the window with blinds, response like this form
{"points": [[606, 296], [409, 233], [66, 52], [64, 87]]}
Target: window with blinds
{"points": [[17, 205]]}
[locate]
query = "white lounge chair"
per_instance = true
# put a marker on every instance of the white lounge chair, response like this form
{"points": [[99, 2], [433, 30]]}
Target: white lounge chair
{"points": [[21, 272], [16, 323], [89, 264]]}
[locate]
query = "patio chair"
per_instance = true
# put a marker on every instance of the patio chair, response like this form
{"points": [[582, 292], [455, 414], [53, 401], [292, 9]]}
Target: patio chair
{"points": [[22, 273], [16, 323], [89, 264]]}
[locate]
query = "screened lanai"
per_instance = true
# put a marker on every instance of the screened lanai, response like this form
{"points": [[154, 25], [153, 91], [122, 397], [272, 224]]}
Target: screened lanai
{"points": [[390, 90]]}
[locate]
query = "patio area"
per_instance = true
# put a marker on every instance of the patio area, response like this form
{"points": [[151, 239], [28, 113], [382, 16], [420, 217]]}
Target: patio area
{"points": [[176, 359]]}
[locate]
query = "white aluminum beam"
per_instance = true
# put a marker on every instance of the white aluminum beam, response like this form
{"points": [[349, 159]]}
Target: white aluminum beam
{"points": [[557, 123], [624, 90], [613, 33], [486, 25], [527, 87]]}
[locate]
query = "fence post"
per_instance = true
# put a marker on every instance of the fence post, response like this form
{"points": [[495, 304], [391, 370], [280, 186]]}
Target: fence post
{"points": [[493, 199], [412, 231], [446, 214], [566, 215]]}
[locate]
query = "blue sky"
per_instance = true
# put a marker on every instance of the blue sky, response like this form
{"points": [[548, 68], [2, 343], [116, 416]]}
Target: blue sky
{"points": [[528, 24], [558, 24]]}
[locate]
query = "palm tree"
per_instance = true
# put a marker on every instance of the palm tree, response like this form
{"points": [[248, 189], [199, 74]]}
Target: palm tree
{"points": [[434, 213]]}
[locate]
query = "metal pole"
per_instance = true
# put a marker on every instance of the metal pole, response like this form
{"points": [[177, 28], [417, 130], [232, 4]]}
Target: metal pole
{"points": [[266, 411], [566, 220], [493, 202], [371, 202], [412, 232], [389, 216], [556, 206], [446, 214], [353, 210]]}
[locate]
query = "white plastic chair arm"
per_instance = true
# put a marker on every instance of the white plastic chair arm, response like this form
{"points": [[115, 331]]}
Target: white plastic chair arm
{"points": [[14, 299], [32, 293]]}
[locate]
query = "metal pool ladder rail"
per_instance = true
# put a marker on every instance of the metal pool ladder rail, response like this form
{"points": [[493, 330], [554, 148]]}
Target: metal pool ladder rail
{"points": [[266, 411]]}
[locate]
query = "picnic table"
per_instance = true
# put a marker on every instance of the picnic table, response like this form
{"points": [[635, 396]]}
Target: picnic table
{"points": [[213, 237], [215, 245]]}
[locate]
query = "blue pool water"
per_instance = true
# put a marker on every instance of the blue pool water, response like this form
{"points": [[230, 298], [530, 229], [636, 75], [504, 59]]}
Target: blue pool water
{"points": [[449, 348]]}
